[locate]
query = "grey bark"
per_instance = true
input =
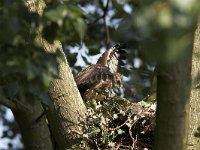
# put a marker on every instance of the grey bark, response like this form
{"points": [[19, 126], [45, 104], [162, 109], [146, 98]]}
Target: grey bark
{"points": [[173, 90], [34, 130], [193, 143]]}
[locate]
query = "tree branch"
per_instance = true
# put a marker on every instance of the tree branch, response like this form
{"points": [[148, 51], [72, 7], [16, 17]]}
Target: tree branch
{"points": [[35, 132], [8, 103], [14, 105], [107, 34]]}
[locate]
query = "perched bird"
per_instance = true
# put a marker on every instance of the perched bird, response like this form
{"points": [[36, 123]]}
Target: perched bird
{"points": [[106, 74]]}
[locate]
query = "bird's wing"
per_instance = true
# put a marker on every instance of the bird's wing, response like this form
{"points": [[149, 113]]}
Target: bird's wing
{"points": [[91, 76], [114, 58]]}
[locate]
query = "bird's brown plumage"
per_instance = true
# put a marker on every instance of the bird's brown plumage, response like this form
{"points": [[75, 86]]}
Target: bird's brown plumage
{"points": [[105, 74]]}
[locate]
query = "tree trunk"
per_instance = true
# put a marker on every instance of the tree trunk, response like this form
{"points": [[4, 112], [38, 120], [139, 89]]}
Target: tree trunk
{"points": [[194, 107], [69, 109], [33, 125], [34, 130], [173, 89]]}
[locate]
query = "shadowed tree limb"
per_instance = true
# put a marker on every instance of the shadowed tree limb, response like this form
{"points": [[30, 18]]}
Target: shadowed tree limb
{"points": [[6, 102]]}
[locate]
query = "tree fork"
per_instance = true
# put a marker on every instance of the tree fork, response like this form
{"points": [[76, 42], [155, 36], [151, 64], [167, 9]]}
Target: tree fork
{"points": [[69, 108], [35, 133]]}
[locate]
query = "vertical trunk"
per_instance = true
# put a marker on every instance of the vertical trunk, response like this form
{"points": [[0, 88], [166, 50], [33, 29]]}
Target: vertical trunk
{"points": [[193, 143], [173, 89], [35, 132]]}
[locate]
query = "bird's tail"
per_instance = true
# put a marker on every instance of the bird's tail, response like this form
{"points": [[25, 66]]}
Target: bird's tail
{"points": [[114, 58]]}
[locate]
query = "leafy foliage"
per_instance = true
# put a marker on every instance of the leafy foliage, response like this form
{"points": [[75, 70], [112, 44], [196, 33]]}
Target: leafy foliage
{"points": [[154, 30], [26, 69], [118, 124], [63, 22]]}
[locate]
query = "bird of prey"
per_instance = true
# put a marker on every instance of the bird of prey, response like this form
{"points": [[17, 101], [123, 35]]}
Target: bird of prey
{"points": [[106, 74]]}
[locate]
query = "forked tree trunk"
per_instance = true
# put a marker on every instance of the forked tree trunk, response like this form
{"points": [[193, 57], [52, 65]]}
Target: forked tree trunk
{"points": [[69, 108], [193, 143], [34, 131]]}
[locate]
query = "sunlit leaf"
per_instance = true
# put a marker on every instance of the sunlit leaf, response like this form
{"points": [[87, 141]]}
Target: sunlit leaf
{"points": [[57, 13], [120, 131], [80, 27]]}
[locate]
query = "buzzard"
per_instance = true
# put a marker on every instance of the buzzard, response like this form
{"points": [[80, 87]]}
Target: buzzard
{"points": [[106, 74]]}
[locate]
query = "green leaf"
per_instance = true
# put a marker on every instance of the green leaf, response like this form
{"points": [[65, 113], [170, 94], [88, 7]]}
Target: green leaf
{"points": [[93, 50], [57, 14], [145, 104], [94, 131], [76, 11], [93, 103], [80, 27], [120, 131], [112, 144]]}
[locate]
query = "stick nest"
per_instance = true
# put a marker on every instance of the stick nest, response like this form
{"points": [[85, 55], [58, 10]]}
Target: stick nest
{"points": [[119, 124]]}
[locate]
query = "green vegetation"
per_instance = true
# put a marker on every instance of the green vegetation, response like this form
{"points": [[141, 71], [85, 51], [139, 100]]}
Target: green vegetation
{"points": [[160, 38]]}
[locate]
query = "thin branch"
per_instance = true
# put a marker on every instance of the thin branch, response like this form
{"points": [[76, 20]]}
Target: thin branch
{"points": [[97, 19], [118, 127], [107, 34], [8, 103], [14, 105]]}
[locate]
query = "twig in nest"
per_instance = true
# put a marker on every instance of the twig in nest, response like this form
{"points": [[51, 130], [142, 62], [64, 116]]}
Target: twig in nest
{"points": [[131, 135], [118, 127]]}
